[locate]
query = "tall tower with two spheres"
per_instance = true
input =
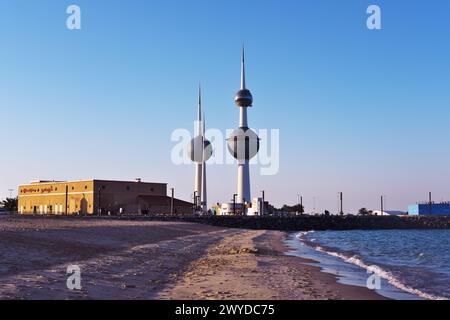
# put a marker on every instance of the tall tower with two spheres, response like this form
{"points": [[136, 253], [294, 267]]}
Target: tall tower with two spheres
{"points": [[243, 144]]}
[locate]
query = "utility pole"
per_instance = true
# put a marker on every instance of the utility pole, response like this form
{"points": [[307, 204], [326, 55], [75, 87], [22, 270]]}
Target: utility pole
{"points": [[67, 196], [263, 210], [199, 203], [301, 204], [341, 201], [171, 201], [430, 203], [382, 205], [314, 205], [195, 201], [234, 203]]}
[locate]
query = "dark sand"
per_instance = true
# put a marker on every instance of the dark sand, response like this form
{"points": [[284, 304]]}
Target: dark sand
{"points": [[156, 260]]}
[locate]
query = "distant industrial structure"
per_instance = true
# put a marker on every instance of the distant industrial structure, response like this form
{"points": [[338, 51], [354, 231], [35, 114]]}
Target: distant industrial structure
{"points": [[102, 197], [389, 213], [430, 209], [256, 208]]}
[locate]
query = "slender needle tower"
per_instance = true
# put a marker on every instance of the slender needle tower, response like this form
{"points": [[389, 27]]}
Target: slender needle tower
{"points": [[198, 157], [204, 195], [243, 143]]}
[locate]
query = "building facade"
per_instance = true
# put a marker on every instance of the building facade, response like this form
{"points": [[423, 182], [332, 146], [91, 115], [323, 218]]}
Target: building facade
{"points": [[389, 213], [90, 197], [429, 209]]}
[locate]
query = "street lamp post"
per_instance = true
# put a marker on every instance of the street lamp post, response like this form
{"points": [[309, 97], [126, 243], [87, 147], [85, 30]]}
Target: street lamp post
{"points": [[341, 200], [234, 203], [195, 201], [171, 201], [199, 203], [314, 205], [99, 201], [263, 210], [430, 203], [300, 202]]}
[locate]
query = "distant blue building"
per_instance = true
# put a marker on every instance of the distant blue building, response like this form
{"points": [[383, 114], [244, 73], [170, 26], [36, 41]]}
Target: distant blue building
{"points": [[425, 209]]}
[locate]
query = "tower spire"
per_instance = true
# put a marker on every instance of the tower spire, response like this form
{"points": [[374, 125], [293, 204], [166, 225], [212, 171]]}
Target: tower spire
{"points": [[204, 125], [199, 115], [243, 69]]}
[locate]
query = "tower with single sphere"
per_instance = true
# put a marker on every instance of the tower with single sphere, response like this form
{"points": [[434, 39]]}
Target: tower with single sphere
{"points": [[243, 144], [200, 151]]}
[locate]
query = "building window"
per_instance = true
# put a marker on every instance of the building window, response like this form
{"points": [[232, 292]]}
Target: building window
{"points": [[152, 189], [103, 187], [85, 187], [128, 188], [56, 189], [73, 188]]}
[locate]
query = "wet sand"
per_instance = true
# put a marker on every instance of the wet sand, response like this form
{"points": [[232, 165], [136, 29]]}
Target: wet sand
{"points": [[156, 260]]}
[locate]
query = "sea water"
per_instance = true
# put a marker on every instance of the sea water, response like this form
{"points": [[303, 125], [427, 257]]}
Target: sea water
{"points": [[410, 264]]}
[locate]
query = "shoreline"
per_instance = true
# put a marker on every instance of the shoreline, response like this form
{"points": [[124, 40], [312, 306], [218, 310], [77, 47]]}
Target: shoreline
{"points": [[254, 266], [352, 268], [320, 278], [147, 260]]}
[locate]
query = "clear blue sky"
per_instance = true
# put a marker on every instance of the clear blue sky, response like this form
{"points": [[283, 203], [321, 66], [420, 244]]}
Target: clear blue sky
{"points": [[359, 111]]}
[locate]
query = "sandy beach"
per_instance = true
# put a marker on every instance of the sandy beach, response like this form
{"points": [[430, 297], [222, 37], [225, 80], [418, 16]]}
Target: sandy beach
{"points": [[156, 260]]}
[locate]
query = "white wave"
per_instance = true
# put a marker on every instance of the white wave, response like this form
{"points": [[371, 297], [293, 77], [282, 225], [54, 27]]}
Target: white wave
{"points": [[374, 270], [301, 235]]}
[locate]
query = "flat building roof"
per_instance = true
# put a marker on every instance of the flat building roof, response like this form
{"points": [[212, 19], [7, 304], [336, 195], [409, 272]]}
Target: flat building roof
{"points": [[36, 182]]}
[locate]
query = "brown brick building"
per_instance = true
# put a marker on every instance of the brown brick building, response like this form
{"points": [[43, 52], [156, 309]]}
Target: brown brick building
{"points": [[98, 197]]}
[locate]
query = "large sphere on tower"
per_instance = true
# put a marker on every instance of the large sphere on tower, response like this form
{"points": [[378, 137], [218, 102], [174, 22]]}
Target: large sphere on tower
{"points": [[243, 144], [244, 98], [195, 149]]}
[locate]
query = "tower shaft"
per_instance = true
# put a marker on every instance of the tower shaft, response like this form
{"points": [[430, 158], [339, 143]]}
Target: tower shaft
{"points": [[204, 200], [198, 185], [198, 182], [243, 122], [204, 194], [243, 184]]}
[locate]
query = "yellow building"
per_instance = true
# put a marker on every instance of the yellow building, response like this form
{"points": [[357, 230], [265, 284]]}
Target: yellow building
{"points": [[98, 197]]}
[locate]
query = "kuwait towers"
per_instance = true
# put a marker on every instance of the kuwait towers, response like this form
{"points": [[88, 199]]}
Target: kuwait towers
{"points": [[200, 151], [243, 143]]}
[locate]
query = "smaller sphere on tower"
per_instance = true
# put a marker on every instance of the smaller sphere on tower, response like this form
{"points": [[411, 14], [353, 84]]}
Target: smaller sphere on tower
{"points": [[243, 98], [195, 149]]}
